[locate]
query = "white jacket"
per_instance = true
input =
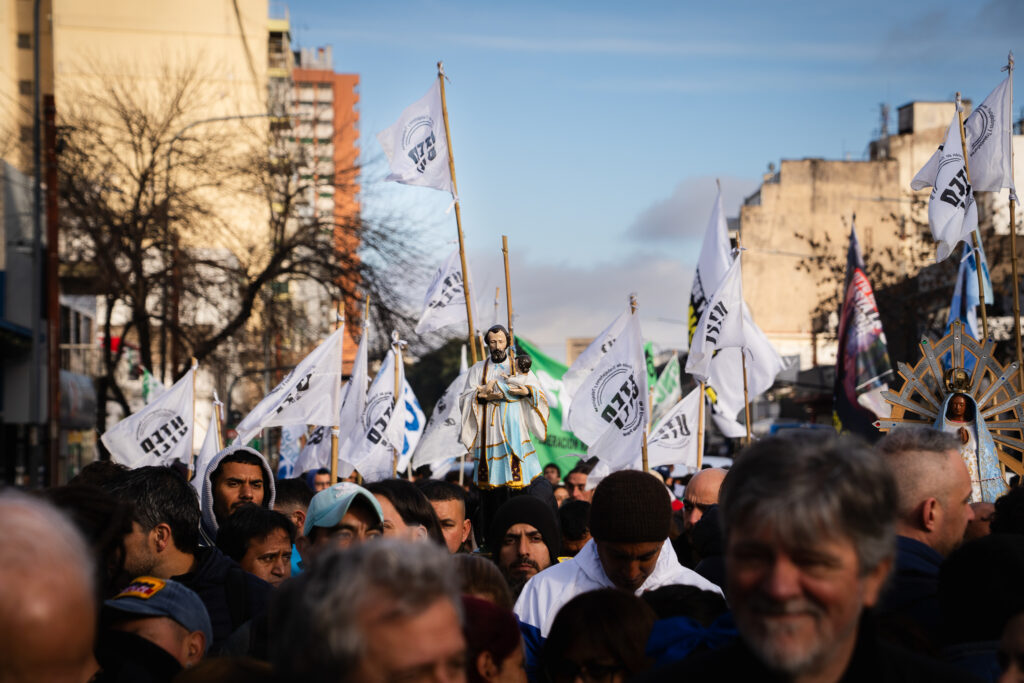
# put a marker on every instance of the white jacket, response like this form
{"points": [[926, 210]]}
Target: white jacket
{"points": [[545, 594]]}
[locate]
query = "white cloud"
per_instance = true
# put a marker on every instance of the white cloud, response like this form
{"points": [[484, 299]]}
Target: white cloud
{"points": [[684, 214]]}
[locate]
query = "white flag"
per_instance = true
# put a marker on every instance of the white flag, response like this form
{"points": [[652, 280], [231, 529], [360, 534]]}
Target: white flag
{"points": [[310, 394], [585, 363], [445, 302], [158, 434], [441, 439], [721, 324], [379, 432], [316, 453], [415, 423], [609, 412], [952, 212], [725, 382], [673, 440], [211, 447], [712, 264], [989, 132], [416, 145], [463, 362]]}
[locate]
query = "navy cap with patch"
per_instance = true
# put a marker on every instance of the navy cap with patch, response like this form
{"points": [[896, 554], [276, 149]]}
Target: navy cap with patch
{"points": [[148, 596]]}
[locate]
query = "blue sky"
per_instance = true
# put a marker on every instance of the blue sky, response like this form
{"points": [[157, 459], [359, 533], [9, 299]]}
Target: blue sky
{"points": [[591, 133]]}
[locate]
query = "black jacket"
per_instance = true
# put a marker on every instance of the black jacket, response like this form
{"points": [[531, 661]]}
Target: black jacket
{"points": [[232, 595]]}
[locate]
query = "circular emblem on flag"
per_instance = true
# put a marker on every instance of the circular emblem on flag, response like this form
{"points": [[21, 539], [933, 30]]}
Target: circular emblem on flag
{"points": [[616, 398], [153, 421]]}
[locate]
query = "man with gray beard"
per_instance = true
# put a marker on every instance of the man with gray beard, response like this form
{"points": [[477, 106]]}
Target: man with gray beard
{"points": [[810, 537]]}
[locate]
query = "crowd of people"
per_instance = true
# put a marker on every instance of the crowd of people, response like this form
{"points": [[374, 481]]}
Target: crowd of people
{"points": [[810, 559]]}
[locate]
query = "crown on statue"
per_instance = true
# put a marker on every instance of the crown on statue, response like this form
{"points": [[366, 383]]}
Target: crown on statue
{"points": [[957, 380]]}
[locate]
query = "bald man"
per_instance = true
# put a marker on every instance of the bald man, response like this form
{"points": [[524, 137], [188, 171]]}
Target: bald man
{"points": [[47, 605], [934, 510], [700, 494]]}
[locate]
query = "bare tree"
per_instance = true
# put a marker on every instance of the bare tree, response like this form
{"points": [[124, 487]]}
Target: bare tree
{"points": [[192, 234]]}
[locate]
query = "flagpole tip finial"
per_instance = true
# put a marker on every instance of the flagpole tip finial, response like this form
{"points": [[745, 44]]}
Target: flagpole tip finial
{"points": [[394, 336]]}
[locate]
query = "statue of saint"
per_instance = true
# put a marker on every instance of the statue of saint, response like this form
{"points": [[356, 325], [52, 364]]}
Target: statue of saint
{"points": [[502, 405], [960, 417]]}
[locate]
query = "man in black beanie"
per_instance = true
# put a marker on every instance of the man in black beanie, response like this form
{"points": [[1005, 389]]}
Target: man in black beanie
{"points": [[630, 518], [525, 538]]}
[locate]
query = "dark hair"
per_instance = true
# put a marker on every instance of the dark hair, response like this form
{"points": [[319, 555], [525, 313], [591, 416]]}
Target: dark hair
{"points": [[480, 577], [249, 523], [162, 496], [488, 628], [439, 491], [244, 457], [293, 491], [104, 522], [410, 503], [523, 362], [498, 328], [608, 623], [574, 519], [98, 473], [677, 600], [582, 467], [1008, 517]]}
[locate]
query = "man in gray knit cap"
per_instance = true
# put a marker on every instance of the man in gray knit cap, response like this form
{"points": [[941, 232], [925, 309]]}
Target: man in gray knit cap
{"points": [[630, 518]]}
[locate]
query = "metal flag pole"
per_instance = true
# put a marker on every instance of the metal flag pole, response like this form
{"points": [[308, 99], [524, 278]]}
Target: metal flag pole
{"points": [[458, 212], [1013, 239], [397, 348], [977, 233], [643, 448]]}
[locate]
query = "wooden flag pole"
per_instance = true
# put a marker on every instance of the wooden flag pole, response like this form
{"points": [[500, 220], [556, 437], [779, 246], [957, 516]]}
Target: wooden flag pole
{"points": [[216, 422], [191, 454], [398, 397], [700, 427], [508, 303], [746, 396], [458, 212], [976, 234], [643, 448]]}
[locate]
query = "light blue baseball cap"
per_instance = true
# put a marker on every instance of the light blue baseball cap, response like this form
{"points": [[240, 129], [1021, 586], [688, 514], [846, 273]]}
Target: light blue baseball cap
{"points": [[330, 505]]}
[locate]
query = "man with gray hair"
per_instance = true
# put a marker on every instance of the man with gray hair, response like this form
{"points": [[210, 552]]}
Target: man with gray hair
{"points": [[810, 536], [934, 509], [47, 595], [379, 611]]}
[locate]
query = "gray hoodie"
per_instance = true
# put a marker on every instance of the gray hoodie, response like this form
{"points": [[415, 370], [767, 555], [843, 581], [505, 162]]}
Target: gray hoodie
{"points": [[209, 525]]}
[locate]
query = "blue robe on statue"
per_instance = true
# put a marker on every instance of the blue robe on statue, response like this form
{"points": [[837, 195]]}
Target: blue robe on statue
{"points": [[979, 453]]}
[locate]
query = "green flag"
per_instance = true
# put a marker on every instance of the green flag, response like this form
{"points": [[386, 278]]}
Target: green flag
{"points": [[667, 390], [561, 447], [652, 372]]}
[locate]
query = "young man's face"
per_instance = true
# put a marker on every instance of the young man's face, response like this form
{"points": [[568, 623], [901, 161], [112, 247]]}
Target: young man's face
{"points": [[236, 485], [523, 553], [454, 525], [628, 564], [269, 558], [576, 482]]}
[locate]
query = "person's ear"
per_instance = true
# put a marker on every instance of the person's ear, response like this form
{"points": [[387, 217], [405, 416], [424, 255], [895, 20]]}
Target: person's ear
{"points": [[874, 580], [162, 536], [195, 648], [467, 529], [486, 666], [299, 519], [931, 514], [419, 532]]}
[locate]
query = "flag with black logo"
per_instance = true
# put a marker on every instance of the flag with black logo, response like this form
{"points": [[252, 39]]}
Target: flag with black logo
{"points": [[952, 211], [416, 145], [609, 411], [591, 356], [720, 326], [309, 394], [441, 438], [712, 264], [989, 131], [445, 302], [673, 440], [862, 359], [378, 436], [158, 434]]}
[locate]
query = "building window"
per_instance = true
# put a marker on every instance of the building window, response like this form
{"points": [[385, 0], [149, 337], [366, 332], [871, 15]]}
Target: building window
{"points": [[24, 41], [25, 87]]}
